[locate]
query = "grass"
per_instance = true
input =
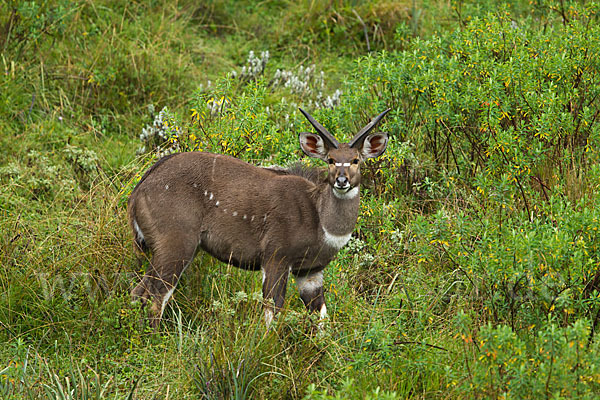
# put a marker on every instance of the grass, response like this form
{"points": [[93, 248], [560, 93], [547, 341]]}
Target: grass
{"points": [[408, 297]]}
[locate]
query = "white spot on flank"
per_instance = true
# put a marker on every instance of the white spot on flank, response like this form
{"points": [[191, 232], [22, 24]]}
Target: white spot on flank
{"points": [[347, 195], [234, 214], [211, 196], [310, 283], [335, 241]]}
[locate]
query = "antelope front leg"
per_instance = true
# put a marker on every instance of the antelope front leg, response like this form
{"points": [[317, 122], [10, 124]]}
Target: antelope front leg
{"points": [[275, 276], [310, 287]]}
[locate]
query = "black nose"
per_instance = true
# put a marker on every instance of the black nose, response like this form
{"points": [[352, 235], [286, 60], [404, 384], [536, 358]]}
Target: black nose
{"points": [[341, 181]]}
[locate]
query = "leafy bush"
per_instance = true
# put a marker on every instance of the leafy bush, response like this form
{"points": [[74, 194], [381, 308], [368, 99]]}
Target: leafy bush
{"points": [[496, 129], [556, 363], [504, 102], [474, 268], [350, 391]]}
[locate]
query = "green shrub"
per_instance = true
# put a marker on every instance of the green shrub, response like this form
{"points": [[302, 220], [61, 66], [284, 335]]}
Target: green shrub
{"points": [[501, 101], [556, 363], [473, 270], [350, 390]]}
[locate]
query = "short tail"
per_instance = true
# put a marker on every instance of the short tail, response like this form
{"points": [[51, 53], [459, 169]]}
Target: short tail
{"points": [[139, 240]]}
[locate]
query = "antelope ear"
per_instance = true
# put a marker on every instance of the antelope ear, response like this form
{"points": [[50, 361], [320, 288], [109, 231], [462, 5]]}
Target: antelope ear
{"points": [[374, 145], [312, 145]]}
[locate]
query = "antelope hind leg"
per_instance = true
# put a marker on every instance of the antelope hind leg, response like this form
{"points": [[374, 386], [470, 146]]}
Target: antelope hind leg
{"points": [[275, 276], [166, 267]]}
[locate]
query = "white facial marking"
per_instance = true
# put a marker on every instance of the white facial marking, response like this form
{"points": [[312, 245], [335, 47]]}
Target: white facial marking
{"points": [[268, 317], [335, 241], [347, 195], [234, 214], [166, 187], [339, 164], [211, 196], [310, 283]]}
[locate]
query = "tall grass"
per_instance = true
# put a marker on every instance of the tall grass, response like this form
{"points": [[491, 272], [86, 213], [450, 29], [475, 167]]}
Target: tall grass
{"points": [[443, 291]]}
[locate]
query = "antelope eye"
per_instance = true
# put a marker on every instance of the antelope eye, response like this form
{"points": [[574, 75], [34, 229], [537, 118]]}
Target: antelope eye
{"points": [[355, 161], [330, 161]]}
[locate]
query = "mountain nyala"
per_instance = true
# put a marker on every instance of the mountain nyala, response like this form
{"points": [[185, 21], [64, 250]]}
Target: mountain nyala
{"points": [[279, 221]]}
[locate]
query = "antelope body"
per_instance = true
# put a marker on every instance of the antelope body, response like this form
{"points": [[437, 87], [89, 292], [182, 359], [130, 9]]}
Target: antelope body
{"points": [[254, 218]]}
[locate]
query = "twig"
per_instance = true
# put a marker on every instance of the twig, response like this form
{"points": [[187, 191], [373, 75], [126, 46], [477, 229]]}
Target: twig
{"points": [[542, 185], [457, 265], [31, 105], [8, 329], [364, 29], [397, 342]]}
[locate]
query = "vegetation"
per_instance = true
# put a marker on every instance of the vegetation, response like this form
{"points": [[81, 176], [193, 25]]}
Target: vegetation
{"points": [[474, 268]]}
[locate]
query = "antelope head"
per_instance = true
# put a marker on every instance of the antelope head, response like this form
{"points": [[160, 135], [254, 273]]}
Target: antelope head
{"points": [[343, 159]]}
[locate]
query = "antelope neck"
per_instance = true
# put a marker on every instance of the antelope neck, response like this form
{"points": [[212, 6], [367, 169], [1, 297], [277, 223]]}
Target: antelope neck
{"points": [[338, 212]]}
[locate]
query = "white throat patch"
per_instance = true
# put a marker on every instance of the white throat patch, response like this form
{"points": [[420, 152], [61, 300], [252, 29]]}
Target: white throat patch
{"points": [[335, 241], [350, 194]]}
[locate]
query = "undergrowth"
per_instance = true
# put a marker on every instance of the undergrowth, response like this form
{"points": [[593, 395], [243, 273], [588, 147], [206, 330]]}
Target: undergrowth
{"points": [[473, 269]]}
